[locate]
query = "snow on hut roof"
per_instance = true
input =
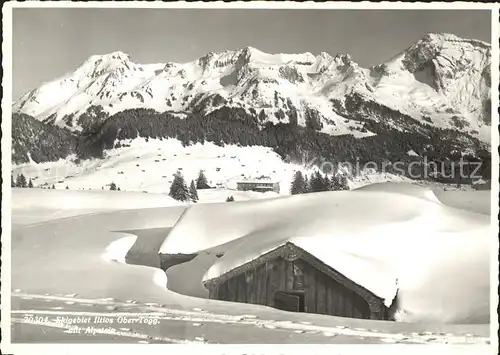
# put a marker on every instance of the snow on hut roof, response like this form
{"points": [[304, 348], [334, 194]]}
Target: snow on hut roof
{"points": [[359, 233], [372, 274]]}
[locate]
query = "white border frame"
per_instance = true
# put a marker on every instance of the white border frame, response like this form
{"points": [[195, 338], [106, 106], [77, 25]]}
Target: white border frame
{"points": [[288, 349]]}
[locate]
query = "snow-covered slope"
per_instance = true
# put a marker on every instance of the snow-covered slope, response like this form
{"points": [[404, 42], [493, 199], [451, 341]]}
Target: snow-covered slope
{"points": [[39, 205], [443, 77], [50, 260], [149, 165], [401, 239], [86, 200], [442, 80]]}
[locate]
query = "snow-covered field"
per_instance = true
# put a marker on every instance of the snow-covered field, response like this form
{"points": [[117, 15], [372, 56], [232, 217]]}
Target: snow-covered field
{"points": [[39, 205], [149, 166], [385, 237], [74, 266]]}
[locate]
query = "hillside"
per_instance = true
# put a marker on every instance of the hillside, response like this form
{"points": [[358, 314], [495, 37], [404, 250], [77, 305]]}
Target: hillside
{"points": [[431, 101]]}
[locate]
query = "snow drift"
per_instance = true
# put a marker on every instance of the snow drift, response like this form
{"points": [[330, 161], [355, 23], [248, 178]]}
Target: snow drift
{"points": [[117, 250], [99, 200], [387, 237], [42, 205]]}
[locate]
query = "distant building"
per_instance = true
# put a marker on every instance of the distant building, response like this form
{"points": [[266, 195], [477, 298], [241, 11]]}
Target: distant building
{"points": [[259, 185], [291, 279]]}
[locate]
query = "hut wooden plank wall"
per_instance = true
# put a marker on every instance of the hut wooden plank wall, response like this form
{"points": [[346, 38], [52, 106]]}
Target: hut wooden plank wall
{"points": [[291, 279]]}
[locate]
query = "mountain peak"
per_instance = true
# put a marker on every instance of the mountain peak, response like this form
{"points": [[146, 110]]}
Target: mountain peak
{"points": [[117, 55], [96, 65], [251, 53], [218, 59], [324, 55], [441, 38], [445, 53], [251, 50], [344, 59]]}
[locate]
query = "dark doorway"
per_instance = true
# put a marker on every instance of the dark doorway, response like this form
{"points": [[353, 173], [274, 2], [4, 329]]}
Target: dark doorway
{"points": [[289, 301]]}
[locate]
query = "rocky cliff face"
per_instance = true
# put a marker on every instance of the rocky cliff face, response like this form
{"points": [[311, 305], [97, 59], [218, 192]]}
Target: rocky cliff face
{"points": [[458, 71]]}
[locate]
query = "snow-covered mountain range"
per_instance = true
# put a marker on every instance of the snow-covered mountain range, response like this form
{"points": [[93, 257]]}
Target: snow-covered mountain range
{"points": [[442, 81], [246, 114]]}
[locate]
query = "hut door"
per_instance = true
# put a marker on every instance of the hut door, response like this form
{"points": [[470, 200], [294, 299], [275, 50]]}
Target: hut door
{"points": [[288, 302]]}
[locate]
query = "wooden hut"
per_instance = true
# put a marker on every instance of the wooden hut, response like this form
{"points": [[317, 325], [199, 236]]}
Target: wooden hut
{"points": [[289, 278]]}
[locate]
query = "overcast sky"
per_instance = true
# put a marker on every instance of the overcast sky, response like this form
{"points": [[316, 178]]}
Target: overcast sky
{"points": [[48, 43]]}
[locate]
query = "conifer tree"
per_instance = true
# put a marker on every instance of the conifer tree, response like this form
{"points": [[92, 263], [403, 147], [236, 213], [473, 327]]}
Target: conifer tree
{"points": [[338, 183], [298, 184], [230, 199], [326, 183], [178, 190], [318, 182], [30, 184], [201, 181], [343, 183], [193, 194], [67, 187], [307, 185], [53, 187], [335, 183], [112, 186], [21, 181]]}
